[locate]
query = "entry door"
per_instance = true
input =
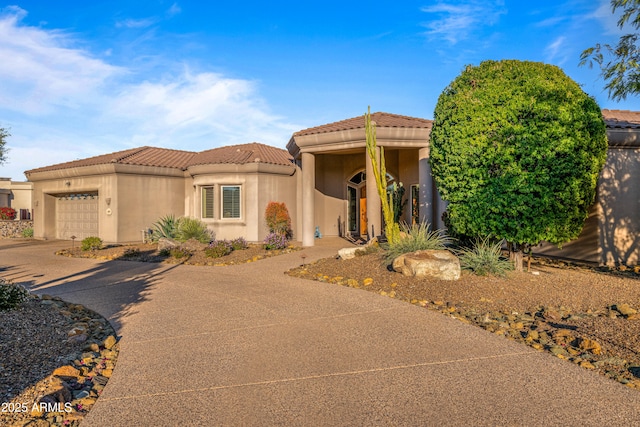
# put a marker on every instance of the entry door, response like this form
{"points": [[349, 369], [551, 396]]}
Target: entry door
{"points": [[363, 215]]}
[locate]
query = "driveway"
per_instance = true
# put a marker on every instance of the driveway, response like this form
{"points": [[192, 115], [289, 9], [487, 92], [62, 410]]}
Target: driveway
{"points": [[248, 345]]}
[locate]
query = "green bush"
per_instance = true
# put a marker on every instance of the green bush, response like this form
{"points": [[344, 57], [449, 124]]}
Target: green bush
{"points": [[418, 237], [192, 228], [165, 227], [239, 244], [218, 249], [484, 258], [91, 243], [180, 252], [11, 296], [27, 232]]}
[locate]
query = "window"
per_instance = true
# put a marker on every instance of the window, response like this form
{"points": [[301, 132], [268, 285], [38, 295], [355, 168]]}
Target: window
{"points": [[207, 202], [415, 204], [230, 201]]}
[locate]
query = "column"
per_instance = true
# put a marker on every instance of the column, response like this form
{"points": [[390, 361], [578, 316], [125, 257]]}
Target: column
{"points": [[425, 178], [374, 207], [308, 199]]}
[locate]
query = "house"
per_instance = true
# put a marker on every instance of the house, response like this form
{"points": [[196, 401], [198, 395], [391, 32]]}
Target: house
{"points": [[16, 195], [324, 177]]}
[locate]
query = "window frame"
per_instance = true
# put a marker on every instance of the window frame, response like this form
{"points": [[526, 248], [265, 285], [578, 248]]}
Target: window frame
{"points": [[222, 203], [203, 201]]}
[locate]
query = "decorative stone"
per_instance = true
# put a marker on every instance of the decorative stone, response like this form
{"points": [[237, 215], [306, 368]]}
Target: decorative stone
{"points": [[348, 253], [67, 372], [440, 264], [167, 244], [368, 281], [592, 346], [109, 342], [625, 309]]}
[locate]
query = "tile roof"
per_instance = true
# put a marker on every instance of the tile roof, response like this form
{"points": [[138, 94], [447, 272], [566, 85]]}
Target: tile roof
{"points": [[621, 119], [142, 156], [241, 154], [381, 119]]}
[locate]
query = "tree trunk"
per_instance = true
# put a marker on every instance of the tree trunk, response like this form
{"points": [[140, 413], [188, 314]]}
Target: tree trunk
{"points": [[516, 255]]}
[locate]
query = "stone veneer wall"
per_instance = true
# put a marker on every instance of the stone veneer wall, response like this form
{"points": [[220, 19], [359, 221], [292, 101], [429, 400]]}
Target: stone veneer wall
{"points": [[13, 228]]}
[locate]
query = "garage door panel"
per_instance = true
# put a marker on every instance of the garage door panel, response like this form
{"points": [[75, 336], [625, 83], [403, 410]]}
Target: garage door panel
{"points": [[76, 215]]}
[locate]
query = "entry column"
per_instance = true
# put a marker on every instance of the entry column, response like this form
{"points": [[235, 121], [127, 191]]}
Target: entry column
{"points": [[426, 207], [374, 207], [308, 198]]}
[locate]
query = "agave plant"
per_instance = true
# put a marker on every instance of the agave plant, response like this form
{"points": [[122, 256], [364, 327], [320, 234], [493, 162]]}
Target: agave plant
{"points": [[166, 227]]}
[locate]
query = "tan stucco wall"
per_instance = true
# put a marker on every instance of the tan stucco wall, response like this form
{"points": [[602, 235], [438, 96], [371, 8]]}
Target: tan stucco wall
{"points": [[141, 200], [611, 234], [260, 184], [619, 197], [44, 221], [21, 195]]}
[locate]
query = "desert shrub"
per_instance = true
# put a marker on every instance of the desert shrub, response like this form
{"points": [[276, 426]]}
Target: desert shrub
{"points": [[27, 232], [275, 241], [11, 295], [7, 213], [278, 220], [165, 227], [239, 244], [192, 228], [417, 237], [91, 243], [484, 257], [179, 252], [218, 249]]}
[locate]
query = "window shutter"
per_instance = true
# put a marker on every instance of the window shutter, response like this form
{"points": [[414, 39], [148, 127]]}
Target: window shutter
{"points": [[207, 202], [231, 202]]}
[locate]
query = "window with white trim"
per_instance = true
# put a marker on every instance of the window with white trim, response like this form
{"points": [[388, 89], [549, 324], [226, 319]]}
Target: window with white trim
{"points": [[207, 202], [230, 201]]}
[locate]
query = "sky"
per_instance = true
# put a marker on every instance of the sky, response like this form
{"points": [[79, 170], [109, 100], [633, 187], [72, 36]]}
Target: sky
{"points": [[84, 78]]}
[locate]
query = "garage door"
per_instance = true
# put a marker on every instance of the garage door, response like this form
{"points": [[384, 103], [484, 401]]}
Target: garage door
{"points": [[76, 215]]}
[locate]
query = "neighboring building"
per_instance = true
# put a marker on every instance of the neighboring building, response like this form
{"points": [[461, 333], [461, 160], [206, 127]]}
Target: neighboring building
{"points": [[16, 195], [325, 179]]}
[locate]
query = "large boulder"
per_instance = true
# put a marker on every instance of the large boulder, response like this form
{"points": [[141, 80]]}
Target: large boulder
{"points": [[439, 264], [348, 253], [167, 244]]}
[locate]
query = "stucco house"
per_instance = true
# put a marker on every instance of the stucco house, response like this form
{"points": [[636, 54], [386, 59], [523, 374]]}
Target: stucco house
{"points": [[324, 177]]}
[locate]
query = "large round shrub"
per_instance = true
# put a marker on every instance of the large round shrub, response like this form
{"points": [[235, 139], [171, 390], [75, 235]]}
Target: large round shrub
{"points": [[516, 150]]}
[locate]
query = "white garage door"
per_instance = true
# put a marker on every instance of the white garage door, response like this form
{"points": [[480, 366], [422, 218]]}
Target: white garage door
{"points": [[76, 215]]}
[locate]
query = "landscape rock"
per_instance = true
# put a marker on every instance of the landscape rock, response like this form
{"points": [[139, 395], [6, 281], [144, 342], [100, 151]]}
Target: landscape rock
{"points": [[167, 244], [440, 264], [66, 372], [625, 309], [109, 342], [348, 253]]}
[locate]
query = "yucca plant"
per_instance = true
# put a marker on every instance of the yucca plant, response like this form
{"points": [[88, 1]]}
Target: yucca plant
{"points": [[417, 237], [192, 228], [484, 258]]}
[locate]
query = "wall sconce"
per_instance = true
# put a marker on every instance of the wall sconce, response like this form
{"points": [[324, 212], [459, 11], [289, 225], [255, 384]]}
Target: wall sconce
{"points": [[108, 200], [36, 203], [67, 183]]}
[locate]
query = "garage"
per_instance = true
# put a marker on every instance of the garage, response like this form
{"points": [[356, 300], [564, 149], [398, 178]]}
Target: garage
{"points": [[76, 215]]}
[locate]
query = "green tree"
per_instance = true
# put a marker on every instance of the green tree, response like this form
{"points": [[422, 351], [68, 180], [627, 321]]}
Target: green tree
{"points": [[620, 65], [516, 150], [4, 134]]}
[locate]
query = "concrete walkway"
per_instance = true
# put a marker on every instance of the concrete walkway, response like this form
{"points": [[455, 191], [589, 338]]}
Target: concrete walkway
{"points": [[248, 345]]}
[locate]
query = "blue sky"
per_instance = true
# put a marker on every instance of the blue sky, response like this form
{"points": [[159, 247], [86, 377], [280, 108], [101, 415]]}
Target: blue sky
{"points": [[83, 78]]}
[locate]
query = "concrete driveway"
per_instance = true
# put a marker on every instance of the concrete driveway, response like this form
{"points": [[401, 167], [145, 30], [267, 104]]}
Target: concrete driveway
{"points": [[248, 345]]}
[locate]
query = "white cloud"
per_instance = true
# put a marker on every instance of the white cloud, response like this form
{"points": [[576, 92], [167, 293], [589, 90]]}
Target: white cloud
{"points": [[555, 52], [136, 23], [62, 103], [174, 10], [456, 22]]}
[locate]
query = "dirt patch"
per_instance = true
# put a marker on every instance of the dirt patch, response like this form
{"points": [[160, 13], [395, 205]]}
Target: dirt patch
{"points": [[150, 253], [572, 311]]}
